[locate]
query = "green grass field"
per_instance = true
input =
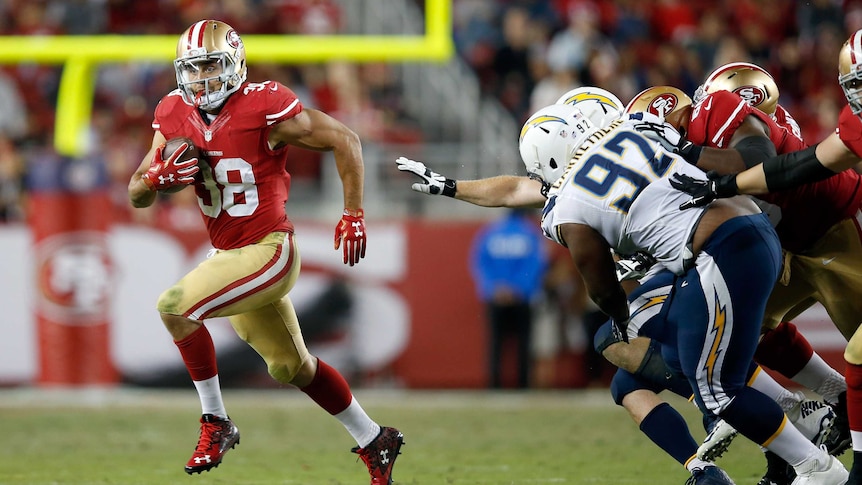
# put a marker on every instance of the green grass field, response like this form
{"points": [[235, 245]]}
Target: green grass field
{"points": [[144, 437]]}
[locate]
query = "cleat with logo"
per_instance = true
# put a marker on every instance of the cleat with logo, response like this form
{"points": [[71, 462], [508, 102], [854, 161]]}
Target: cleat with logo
{"points": [[218, 435], [814, 419], [717, 441], [379, 456], [837, 440]]}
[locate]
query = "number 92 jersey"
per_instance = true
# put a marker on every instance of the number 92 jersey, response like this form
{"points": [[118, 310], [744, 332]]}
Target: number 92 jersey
{"points": [[617, 183], [243, 186]]}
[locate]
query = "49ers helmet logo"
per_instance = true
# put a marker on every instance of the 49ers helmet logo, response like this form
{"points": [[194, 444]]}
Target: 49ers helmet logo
{"points": [[753, 95], [233, 39], [663, 104]]}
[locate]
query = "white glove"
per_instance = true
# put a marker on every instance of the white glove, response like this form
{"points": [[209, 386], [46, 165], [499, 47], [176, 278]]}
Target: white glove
{"points": [[657, 129], [432, 182], [634, 267]]}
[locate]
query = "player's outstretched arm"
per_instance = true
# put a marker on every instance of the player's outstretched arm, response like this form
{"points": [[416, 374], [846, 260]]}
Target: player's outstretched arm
{"points": [[499, 191], [789, 170], [140, 194], [782, 172]]}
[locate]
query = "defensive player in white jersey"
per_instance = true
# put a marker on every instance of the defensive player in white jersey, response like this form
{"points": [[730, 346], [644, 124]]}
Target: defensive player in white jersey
{"points": [[244, 130], [615, 194], [545, 136]]}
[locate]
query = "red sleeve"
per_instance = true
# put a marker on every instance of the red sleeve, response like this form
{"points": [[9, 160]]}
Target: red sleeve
{"points": [[162, 119], [280, 102], [850, 130], [715, 119]]}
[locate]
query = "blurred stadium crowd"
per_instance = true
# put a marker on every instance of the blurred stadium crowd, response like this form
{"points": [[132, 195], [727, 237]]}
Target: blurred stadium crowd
{"points": [[523, 52]]}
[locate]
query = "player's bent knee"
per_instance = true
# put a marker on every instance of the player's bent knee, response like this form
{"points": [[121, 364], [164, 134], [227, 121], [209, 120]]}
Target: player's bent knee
{"points": [[283, 372], [169, 301], [625, 383]]}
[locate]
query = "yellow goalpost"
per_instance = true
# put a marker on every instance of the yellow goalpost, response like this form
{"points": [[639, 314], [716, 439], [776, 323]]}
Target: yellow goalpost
{"points": [[80, 56]]}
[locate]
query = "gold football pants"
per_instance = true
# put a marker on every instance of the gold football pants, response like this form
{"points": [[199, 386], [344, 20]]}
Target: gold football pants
{"points": [[249, 286]]}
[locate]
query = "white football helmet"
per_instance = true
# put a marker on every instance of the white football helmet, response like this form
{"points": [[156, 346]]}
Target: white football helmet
{"points": [[850, 71], [599, 105], [210, 63], [549, 139], [750, 81]]}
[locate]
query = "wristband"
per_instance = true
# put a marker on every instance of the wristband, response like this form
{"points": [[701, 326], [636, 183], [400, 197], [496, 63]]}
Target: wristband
{"points": [[690, 152], [354, 212], [449, 188], [726, 186]]}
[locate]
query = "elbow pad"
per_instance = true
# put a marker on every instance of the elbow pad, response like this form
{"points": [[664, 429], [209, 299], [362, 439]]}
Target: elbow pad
{"points": [[755, 150], [794, 169]]}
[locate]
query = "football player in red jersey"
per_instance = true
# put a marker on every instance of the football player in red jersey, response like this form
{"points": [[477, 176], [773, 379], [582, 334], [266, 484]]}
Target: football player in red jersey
{"points": [[813, 221], [244, 129], [828, 159]]}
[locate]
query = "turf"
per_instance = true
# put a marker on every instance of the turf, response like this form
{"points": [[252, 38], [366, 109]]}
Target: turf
{"points": [[144, 437]]}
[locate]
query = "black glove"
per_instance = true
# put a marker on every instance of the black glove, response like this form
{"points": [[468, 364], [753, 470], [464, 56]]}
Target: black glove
{"points": [[704, 192], [657, 129]]}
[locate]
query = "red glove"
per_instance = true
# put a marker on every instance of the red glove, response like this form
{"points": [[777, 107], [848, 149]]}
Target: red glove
{"points": [[351, 230], [173, 172]]}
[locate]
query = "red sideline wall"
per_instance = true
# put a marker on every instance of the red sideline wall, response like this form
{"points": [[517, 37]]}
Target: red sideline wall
{"points": [[447, 342]]}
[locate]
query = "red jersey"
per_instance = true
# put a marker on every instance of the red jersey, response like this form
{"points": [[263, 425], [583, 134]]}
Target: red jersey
{"points": [[244, 185], [850, 131], [808, 211]]}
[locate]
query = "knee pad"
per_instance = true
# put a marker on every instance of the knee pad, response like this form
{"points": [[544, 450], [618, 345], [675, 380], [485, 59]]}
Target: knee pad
{"points": [[624, 383], [655, 369], [169, 301], [283, 372]]}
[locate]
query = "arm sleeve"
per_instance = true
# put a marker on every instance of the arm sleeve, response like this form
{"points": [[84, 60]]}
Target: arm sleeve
{"points": [[755, 150], [794, 169]]}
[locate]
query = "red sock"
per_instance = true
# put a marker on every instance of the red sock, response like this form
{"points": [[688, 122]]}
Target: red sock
{"points": [[329, 389], [784, 350], [199, 354], [853, 376]]}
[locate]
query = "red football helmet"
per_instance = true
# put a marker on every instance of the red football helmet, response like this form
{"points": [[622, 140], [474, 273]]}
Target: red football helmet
{"points": [[750, 81], [850, 71], [666, 101], [210, 63]]}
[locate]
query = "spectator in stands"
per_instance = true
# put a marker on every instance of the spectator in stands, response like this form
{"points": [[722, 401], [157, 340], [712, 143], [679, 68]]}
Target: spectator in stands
{"points": [[508, 261]]}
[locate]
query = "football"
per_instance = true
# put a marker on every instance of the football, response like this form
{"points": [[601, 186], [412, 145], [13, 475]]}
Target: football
{"points": [[192, 152]]}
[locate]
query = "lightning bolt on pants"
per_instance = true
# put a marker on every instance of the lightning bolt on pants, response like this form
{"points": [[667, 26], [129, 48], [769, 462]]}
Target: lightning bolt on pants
{"points": [[717, 309]]}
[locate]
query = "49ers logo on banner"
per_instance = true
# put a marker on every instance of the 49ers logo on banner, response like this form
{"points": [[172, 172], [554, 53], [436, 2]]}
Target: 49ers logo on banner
{"points": [[74, 277]]}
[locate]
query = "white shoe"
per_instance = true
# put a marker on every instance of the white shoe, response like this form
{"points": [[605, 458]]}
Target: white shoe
{"points": [[717, 441], [820, 471], [813, 419]]}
